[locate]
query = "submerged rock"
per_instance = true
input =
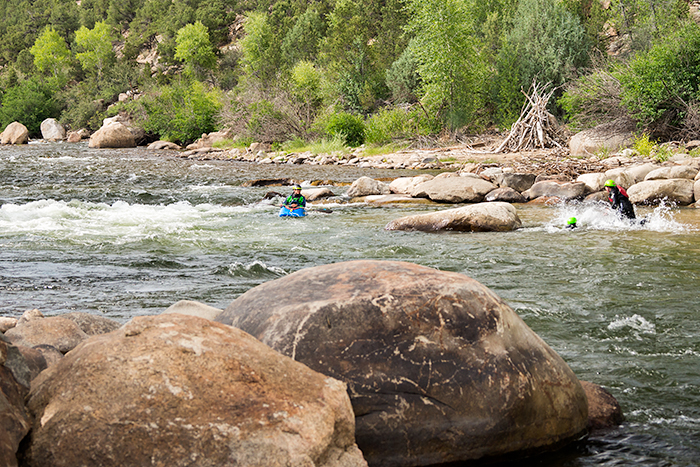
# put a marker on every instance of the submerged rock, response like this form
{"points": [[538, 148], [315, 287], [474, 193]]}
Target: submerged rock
{"points": [[175, 390], [439, 369]]}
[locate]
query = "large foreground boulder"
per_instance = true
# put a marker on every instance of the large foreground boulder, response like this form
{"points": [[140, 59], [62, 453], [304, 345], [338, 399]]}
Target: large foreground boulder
{"points": [[14, 387], [481, 217], [176, 390], [439, 369]]}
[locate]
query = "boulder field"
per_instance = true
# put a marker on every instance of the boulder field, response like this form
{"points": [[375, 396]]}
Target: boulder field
{"points": [[675, 183], [366, 362]]}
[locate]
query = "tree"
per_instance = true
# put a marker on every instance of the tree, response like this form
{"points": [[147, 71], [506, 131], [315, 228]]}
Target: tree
{"points": [[261, 57], [450, 63], [547, 44], [195, 49], [51, 53], [29, 102], [661, 86], [301, 42], [96, 46]]}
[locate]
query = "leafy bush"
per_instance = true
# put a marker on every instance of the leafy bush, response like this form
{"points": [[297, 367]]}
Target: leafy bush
{"points": [[547, 44], [390, 124], [182, 111], [593, 99], [30, 103], [643, 145], [402, 78], [349, 126], [660, 85]]}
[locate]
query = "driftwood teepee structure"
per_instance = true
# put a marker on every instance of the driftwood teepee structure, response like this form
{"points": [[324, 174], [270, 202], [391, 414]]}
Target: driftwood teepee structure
{"points": [[536, 127]]}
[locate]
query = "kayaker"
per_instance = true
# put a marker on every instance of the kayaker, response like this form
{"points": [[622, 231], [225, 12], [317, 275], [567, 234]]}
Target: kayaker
{"points": [[618, 197], [571, 223], [295, 200]]}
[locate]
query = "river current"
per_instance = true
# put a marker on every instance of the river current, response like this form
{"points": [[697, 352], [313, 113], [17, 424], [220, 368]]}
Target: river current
{"points": [[123, 233]]}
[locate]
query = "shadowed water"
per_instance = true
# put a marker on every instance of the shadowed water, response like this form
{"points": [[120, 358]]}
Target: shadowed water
{"points": [[124, 233]]}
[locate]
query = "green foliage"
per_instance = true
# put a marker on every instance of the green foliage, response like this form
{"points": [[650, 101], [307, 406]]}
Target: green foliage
{"points": [[333, 145], [261, 59], [181, 112], [51, 55], [449, 60], [593, 99], [547, 44], [195, 49], [644, 22], [643, 145], [30, 103], [389, 125], [364, 38], [302, 41], [659, 86], [344, 125], [403, 79], [96, 47], [83, 108]]}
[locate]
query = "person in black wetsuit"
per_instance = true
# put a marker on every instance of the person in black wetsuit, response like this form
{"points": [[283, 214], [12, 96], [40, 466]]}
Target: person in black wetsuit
{"points": [[620, 201], [295, 200]]}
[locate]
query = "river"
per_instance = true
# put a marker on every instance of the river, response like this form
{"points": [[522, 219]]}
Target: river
{"points": [[123, 233]]}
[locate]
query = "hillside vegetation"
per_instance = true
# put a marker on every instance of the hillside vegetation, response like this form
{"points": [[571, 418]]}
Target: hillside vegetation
{"points": [[354, 71]]}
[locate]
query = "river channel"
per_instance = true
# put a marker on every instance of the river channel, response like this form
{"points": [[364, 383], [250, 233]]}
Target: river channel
{"points": [[123, 233]]}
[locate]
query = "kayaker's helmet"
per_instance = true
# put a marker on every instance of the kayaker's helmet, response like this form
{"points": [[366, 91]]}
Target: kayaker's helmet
{"points": [[610, 183], [571, 221], [297, 187]]}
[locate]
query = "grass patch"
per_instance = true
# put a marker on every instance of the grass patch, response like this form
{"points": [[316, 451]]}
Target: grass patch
{"points": [[374, 150], [335, 144], [229, 143]]}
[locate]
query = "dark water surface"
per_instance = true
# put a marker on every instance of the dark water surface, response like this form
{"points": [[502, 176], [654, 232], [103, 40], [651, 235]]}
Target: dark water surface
{"points": [[124, 233]]}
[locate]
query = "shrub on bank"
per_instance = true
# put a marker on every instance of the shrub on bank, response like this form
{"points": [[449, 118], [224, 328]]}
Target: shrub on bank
{"points": [[181, 112], [349, 126], [29, 102]]}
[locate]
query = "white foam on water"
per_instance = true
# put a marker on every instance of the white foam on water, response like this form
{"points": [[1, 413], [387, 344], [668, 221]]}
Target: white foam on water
{"points": [[596, 216], [635, 322], [119, 221]]}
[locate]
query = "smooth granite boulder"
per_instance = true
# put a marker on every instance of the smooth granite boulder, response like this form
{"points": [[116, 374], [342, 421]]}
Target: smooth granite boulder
{"points": [[176, 390], [439, 369]]}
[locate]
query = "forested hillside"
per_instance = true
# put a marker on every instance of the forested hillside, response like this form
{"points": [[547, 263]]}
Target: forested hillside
{"points": [[372, 71]]}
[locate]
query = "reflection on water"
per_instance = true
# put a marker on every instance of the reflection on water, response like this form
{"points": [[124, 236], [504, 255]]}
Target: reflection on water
{"points": [[124, 233]]}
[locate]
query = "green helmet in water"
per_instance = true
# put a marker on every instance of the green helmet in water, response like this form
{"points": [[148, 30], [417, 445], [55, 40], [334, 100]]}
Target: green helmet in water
{"points": [[571, 221], [610, 183]]}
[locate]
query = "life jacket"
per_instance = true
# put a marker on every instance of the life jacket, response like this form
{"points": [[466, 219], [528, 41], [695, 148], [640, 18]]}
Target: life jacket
{"points": [[622, 190]]}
